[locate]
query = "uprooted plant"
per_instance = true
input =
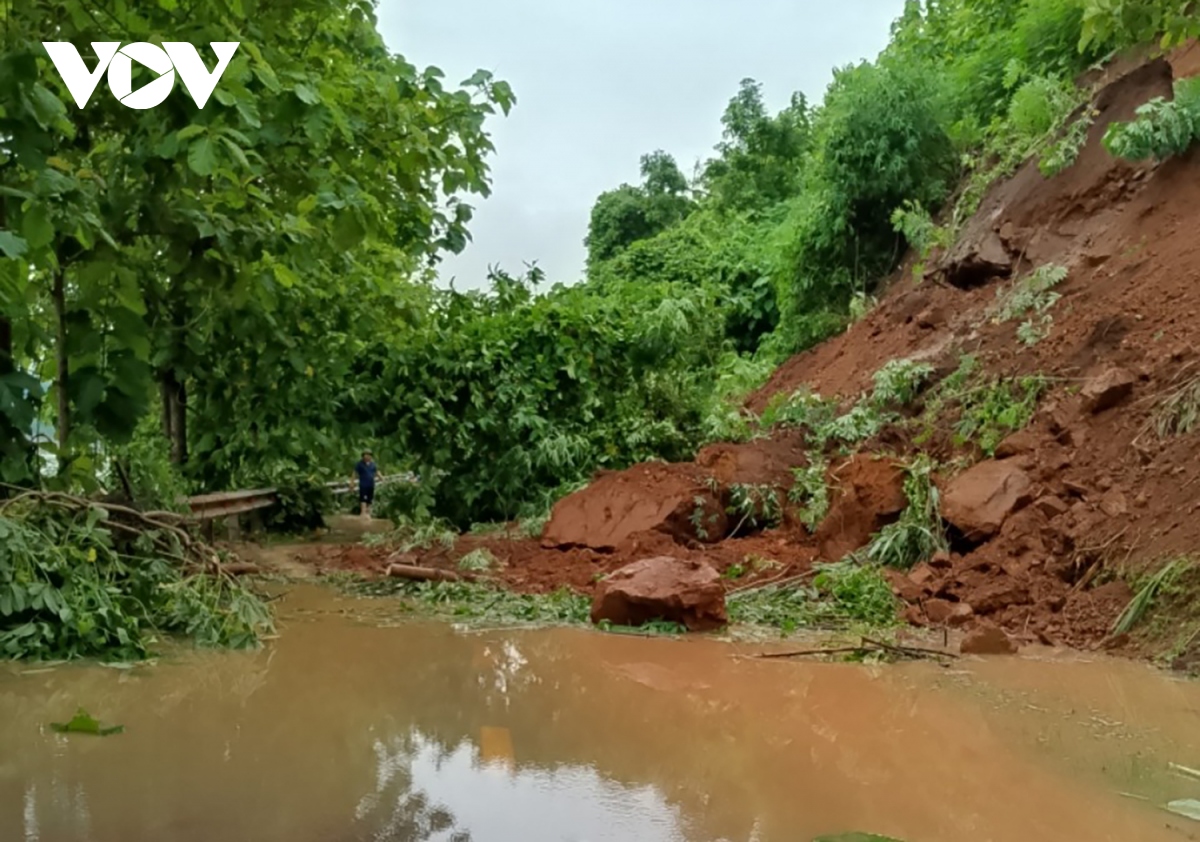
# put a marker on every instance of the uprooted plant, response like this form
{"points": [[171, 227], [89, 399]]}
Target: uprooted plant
{"points": [[810, 492], [833, 596], [83, 579], [758, 505], [918, 534], [1030, 298]]}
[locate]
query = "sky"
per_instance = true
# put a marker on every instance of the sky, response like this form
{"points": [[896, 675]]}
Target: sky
{"points": [[599, 83]]}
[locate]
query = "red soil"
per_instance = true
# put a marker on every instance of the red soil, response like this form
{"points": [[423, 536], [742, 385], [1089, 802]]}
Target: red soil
{"points": [[1106, 490]]}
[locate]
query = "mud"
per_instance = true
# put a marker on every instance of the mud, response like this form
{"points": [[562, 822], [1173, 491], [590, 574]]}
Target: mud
{"points": [[357, 725]]}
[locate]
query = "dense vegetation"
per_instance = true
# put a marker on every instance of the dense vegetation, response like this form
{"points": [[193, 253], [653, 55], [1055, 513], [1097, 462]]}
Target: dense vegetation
{"points": [[242, 295]]}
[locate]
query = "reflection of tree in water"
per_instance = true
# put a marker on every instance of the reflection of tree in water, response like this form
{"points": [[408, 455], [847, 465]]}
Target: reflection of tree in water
{"points": [[397, 812]]}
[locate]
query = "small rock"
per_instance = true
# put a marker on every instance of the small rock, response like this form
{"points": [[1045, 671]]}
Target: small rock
{"points": [[1141, 500], [940, 559], [939, 611], [979, 500], [962, 613], [903, 587], [1113, 504], [1018, 444], [1107, 389], [921, 575], [1076, 488], [1105, 483], [930, 318], [1051, 506], [987, 640]]}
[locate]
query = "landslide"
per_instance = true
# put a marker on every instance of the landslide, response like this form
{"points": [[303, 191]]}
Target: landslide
{"points": [[1040, 530]]}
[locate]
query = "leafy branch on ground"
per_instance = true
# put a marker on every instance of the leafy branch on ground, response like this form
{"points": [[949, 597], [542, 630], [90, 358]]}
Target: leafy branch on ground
{"points": [[1031, 298], [1162, 129], [919, 533]]}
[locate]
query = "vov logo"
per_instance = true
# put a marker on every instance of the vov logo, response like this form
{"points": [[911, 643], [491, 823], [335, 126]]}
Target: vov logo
{"points": [[172, 56]]}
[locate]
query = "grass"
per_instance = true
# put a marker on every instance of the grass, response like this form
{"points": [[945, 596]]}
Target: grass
{"points": [[840, 596], [1161, 582], [480, 604], [758, 505], [1179, 413], [478, 561]]}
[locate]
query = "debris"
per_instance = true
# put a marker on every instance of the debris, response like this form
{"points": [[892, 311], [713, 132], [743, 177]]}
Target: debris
{"points": [[987, 640], [663, 588], [1106, 390], [979, 500]]}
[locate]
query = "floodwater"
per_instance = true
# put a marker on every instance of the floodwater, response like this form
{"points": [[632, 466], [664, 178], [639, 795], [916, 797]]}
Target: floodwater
{"points": [[355, 726]]}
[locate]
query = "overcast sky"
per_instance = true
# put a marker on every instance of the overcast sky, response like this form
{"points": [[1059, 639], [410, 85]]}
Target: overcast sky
{"points": [[601, 82]]}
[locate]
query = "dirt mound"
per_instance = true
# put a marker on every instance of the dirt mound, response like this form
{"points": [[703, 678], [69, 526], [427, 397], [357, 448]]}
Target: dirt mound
{"points": [[649, 497], [866, 494]]}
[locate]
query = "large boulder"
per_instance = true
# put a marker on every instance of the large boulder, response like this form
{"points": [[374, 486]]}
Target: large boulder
{"points": [[673, 499], [867, 495], [662, 588], [980, 499]]}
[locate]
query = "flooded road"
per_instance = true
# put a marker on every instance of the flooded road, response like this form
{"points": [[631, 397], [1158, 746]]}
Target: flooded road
{"points": [[354, 725]]}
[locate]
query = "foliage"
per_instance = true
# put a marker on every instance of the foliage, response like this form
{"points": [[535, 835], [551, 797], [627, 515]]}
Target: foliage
{"points": [[224, 259], [1065, 151], [1031, 296], [478, 561], [623, 216], [810, 492], [1125, 23], [1146, 594], [302, 504], [400, 501], [899, 382], [1179, 412], [758, 505], [73, 584], [993, 411], [841, 595], [1162, 128], [918, 534], [481, 604], [408, 535], [83, 723]]}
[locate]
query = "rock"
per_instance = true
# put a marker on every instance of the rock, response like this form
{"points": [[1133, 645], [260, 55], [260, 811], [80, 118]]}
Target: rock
{"points": [[662, 588], [998, 595], [1078, 489], [979, 500], [903, 587], [1107, 389], [962, 613], [1114, 504], [939, 611], [1018, 444], [941, 559], [921, 575], [930, 318], [987, 640], [1051, 506], [868, 494]]}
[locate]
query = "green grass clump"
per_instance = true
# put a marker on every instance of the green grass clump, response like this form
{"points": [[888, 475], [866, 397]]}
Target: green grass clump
{"points": [[918, 534], [477, 603]]}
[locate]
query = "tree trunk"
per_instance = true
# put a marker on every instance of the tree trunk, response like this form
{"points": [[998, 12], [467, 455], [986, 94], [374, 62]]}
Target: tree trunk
{"points": [[174, 395], [61, 387]]}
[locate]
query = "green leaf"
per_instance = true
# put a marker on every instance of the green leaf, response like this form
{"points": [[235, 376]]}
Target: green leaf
{"points": [[284, 275], [1188, 808], [83, 723], [188, 132], [347, 231], [12, 245], [306, 94], [202, 157], [37, 227]]}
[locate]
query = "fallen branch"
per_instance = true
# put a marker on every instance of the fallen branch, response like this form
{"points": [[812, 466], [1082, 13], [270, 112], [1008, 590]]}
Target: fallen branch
{"points": [[427, 574], [776, 582], [868, 646]]}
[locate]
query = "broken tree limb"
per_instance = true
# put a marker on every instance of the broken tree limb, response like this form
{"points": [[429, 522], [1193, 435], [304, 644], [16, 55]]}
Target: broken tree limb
{"points": [[866, 647], [427, 574]]}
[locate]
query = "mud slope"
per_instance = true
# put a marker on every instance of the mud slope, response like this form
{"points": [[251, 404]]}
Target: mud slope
{"points": [[1087, 487]]}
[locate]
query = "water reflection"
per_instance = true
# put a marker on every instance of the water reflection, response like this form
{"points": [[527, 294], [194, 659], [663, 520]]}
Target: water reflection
{"points": [[346, 730]]}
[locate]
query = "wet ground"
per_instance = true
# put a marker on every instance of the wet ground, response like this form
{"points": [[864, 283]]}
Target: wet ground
{"points": [[358, 725]]}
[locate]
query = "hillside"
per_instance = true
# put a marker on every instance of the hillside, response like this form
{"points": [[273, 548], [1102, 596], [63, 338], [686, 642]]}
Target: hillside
{"points": [[1045, 526]]}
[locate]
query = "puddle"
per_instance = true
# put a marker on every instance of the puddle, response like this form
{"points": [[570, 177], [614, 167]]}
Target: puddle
{"points": [[349, 727]]}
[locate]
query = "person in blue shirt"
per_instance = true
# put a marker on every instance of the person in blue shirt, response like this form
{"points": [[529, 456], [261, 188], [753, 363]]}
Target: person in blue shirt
{"points": [[367, 471]]}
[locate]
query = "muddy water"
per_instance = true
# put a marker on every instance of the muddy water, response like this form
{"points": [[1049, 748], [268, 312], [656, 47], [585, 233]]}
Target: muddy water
{"points": [[354, 725]]}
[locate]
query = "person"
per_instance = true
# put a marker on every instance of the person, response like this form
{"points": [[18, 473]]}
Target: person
{"points": [[367, 471]]}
